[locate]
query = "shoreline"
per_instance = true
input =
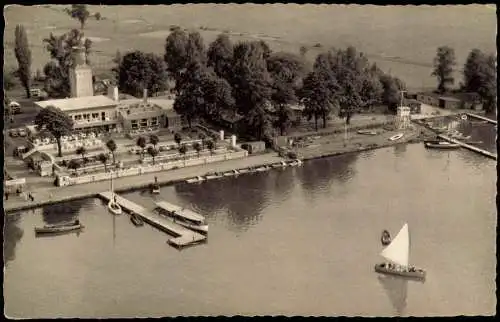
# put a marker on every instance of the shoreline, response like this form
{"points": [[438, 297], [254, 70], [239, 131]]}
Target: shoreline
{"points": [[53, 195]]}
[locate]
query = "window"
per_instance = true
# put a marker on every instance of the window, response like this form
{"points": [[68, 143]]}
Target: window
{"points": [[134, 124], [154, 121], [78, 117], [95, 115]]}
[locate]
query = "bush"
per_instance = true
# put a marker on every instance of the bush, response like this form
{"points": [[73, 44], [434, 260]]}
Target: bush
{"points": [[292, 155], [97, 16], [245, 146]]}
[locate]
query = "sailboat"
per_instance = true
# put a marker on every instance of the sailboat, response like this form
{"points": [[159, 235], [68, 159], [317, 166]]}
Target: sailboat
{"points": [[113, 206], [397, 253]]}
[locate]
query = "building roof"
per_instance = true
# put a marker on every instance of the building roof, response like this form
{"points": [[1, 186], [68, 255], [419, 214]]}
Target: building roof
{"points": [[78, 103]]}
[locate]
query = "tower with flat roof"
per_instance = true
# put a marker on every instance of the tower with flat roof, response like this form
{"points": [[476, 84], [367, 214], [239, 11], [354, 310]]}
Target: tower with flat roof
{"points": [[80, 75]]}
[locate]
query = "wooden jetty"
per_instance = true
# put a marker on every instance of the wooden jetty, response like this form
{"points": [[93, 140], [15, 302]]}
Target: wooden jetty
{"points": [[181, 212], [481, 118], [182, 236], [468, 146]]}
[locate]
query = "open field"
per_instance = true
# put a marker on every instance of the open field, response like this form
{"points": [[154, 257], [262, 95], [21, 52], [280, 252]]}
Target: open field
{"points": [[402, 40]]}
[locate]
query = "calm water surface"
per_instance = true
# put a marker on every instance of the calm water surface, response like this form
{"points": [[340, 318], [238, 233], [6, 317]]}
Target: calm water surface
{"points": [[299, 241]]}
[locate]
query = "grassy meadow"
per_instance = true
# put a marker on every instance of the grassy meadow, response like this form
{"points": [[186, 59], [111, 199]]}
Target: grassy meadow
{"points": [[401, 39]]}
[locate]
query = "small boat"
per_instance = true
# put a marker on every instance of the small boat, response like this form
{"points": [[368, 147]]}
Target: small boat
{"points": [[113, 206], [182, 216], [262, 169], [195, 179], [441, 145], [386, 238], [397, 254], [245, 170], [367, 132], [396, 137], [230, 173], [213, 175], [136, 219], [59, 228]]}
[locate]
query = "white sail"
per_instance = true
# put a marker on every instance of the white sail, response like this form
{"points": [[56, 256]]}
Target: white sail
{"points": [[398, 251]]}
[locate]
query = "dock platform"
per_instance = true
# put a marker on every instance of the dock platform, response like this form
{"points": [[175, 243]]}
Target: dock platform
{"points": [[183, 237], [481, 118], [468, 146]]}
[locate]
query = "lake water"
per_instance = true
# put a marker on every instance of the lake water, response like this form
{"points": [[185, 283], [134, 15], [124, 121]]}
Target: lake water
{"points": [[298, 241]]}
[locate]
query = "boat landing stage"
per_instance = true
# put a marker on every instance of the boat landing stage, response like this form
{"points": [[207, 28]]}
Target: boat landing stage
{"points": [[182, 236]]}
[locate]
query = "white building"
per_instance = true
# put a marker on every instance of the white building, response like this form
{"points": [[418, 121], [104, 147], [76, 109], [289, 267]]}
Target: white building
{"points": [[108, 112]]}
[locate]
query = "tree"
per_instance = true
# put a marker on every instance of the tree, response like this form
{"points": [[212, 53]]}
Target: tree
{"points": [[116, 69], [316, 98], [283, 119], [80, 13], [111, 145], [153, 153], [303, 51], [82, 151], [178, 138], [443, 67], [259, 122], [154, 140], [211, 146], [141, 142], [266, 50], [217, 96], [197, 148], [23, 56], [56, 122], [391, 91], [190, 101], [104, 159], [74, 164], [176, 53], [480, 77], [182, 150], [8, 80], [139, 71], [286, 71], [202, 137], [220, 56], [56, 71], [251, 81]]}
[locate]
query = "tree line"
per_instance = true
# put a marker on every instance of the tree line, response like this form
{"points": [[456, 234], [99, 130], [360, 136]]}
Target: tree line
{"points": [[479, 74], [250, 80]]}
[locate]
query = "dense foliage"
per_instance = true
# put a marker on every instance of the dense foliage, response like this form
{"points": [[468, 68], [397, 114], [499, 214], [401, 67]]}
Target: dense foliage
{"points": [[23, 56], [56, 122]]}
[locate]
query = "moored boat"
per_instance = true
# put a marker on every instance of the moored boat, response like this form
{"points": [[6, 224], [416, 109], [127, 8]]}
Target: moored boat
{"points": [[440, 145], [182, 216], [59, 228], [396, 137], [386, 238], [262, 169], [113, 206], [213, 175], [367, 132], [136, 219], [397, 254], [195, 179]]}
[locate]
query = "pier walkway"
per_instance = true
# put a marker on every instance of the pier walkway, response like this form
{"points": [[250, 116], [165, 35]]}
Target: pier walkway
{"points": [[481, 118], [468, 146], [183, 236]]}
